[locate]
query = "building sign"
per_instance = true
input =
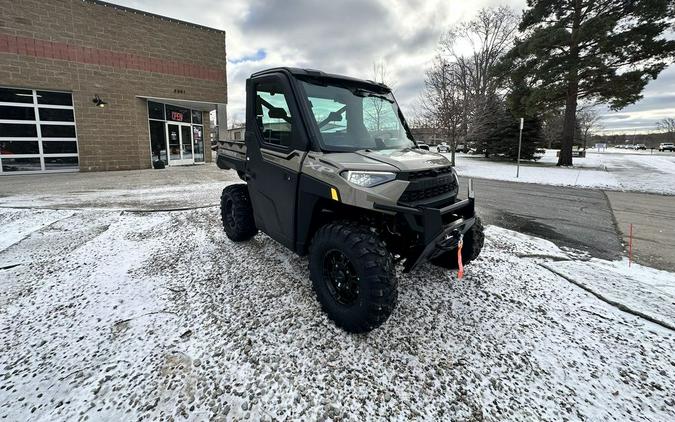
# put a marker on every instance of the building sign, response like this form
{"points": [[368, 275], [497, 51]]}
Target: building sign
{"points": [[177, 114]]}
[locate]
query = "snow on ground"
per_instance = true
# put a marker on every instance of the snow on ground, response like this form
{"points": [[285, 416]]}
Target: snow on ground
{"points": [[17, 224], [119, 316], [158, 197], [613, 170]]}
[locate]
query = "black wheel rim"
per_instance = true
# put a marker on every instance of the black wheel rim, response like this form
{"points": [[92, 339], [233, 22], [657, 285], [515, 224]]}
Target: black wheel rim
{"points": [[340, 277], [229, 214]]}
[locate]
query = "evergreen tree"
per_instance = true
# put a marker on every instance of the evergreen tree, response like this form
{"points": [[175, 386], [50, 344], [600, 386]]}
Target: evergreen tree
{"points": [[499, 135], [590, 50]]}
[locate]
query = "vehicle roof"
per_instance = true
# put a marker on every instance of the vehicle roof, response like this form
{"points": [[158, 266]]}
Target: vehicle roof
{"points": [[313, 73]]}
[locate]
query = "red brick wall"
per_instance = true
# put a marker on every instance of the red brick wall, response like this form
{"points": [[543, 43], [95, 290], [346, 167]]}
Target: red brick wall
{"points": [[88, 48]]}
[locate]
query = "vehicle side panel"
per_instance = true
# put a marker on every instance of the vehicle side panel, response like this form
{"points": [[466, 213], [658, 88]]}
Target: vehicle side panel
{"points": [[272, 170], [232, 155]]}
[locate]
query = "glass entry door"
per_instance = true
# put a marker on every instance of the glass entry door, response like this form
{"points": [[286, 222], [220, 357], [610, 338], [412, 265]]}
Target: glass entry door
{"points": [[179, 141]]}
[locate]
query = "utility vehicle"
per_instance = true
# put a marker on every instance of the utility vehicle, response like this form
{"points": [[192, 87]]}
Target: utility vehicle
{"points": [[332, 171]]}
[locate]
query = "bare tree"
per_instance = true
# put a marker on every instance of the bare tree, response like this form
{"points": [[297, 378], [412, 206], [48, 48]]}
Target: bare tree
{"points": [[667, 126], [375, 110], [442, 100], [476, 46], [460, 86], [589, 122]]}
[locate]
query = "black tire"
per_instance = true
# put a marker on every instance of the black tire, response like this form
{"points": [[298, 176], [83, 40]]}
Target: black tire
{"points": [[368, 266], [236, 213], [473, 244]]}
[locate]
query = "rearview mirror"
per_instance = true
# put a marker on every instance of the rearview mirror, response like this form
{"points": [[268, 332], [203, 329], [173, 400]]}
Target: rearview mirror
{"points": [[334, 116], [277, 113]]}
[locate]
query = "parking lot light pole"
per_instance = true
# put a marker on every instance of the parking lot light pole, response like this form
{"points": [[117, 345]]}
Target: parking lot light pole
{"points": [[520, 142]]}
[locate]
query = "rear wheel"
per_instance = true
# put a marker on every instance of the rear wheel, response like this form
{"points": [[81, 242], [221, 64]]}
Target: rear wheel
{"points": [[352, 274], [473, 244], [236, 213]]}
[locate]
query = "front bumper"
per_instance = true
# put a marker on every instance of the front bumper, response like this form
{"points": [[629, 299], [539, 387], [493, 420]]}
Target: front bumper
{"points": [[441, 228]]}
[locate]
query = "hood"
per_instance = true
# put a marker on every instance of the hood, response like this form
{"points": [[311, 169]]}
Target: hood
{"points": [[407, 159], [386, 160]]}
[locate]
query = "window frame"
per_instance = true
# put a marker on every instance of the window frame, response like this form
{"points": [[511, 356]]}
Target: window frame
{"points": [[164, 122], [284, 90], [36, 122]]}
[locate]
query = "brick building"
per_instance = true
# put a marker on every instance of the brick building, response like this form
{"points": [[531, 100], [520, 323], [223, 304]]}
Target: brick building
{"points": [[90, 86]]}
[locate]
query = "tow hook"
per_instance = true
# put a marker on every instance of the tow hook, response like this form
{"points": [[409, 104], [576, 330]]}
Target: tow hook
{"points": [[451, 240]]}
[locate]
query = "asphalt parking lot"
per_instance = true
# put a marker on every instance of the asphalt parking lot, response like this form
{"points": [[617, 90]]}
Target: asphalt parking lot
{"points": [[594, 221]]}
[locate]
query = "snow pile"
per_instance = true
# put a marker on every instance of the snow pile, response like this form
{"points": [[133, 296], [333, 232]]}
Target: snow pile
{"points": [[121, 316]]}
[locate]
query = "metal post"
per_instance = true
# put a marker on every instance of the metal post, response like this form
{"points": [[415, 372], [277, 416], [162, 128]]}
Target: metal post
{"points": [[520, 142]]}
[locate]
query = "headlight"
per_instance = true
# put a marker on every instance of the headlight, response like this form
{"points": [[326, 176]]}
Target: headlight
{"points": [[368, 179], [454, 173]]}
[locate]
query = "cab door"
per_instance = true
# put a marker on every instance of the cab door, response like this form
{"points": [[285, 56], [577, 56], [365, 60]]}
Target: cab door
{"points": [[275, 148]]}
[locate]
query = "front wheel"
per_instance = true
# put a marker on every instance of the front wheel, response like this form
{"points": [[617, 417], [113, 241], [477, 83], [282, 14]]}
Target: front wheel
{"points": [[352, 274], [237, 213], [473, 244]]}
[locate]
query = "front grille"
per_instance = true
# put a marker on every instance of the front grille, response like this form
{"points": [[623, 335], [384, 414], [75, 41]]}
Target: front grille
{"points": [[428, 193], [429, 186], [415, 175]]}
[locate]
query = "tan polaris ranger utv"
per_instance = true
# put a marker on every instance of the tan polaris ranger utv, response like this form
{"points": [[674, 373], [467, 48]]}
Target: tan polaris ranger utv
{"points": [[332, 170]]}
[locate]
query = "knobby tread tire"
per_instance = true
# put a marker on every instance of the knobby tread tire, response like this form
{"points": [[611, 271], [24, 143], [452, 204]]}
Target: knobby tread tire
{"points": [[473, 244], [243, 227], [378, 290]]}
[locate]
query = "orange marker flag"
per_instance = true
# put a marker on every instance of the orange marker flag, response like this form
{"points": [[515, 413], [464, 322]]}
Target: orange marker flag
{"points": [[460, 272]]}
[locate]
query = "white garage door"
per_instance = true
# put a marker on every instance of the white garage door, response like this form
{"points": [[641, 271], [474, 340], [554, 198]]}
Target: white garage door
{"points": [[37, 131]]}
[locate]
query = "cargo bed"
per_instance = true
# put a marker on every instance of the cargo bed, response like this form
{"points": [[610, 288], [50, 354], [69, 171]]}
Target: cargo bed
{"points": [[232, 155]]}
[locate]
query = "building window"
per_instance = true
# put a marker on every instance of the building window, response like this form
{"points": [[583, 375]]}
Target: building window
{"points": [[158, 141], [198, 139], [12, 95], [37, 131], [17, 113], [185, 131], [197, 117], [177, 114], [155, 110], [55, 98]]}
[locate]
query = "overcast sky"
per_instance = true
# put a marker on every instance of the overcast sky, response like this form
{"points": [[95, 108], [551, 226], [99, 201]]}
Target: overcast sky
{"points": [[348, 36]]}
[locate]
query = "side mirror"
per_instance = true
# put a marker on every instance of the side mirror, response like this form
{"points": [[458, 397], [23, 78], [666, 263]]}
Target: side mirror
{"points": [[277, 113]]}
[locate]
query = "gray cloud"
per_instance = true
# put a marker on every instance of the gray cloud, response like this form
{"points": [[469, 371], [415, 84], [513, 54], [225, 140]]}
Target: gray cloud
{"points": [[348, 36], [658, 103]]}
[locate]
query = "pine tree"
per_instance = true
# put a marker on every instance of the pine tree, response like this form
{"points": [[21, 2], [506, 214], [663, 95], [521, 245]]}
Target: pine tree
{"points": [[591, 50], [498, 136]]}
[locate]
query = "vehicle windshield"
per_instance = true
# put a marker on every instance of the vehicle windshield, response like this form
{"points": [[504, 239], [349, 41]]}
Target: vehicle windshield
{"points": [[351, 118]]}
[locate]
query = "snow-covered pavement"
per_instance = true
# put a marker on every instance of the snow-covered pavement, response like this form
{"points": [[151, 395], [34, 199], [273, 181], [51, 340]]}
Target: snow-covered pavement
{"points": [[109, 315], [637, 171]]}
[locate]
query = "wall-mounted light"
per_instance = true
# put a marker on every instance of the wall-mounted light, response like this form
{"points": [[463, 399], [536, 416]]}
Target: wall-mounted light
{"points": [[98, 102]]}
